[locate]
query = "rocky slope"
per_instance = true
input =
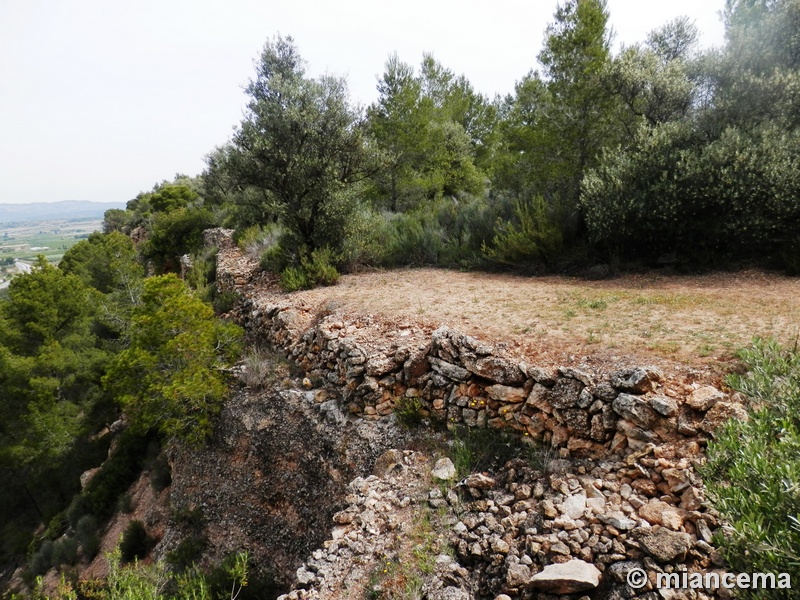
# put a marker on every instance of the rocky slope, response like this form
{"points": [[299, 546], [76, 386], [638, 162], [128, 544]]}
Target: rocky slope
{"points": [[619, 493]]}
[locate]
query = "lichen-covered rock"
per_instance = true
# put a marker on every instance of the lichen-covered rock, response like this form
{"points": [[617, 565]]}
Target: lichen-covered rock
{"points": [[635, 381], [634, 409]]}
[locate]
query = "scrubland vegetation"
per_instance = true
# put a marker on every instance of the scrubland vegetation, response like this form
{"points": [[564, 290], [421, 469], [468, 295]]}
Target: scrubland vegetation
{"points": [[660, 155]]}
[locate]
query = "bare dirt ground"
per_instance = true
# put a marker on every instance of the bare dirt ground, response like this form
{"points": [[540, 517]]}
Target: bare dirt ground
{"points": [[673, 322]]}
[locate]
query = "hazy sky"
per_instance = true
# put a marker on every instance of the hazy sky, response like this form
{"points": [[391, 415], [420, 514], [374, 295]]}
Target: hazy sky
{"points": [[100, 99]]}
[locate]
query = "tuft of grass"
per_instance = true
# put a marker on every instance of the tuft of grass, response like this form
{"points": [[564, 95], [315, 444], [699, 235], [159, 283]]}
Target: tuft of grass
{"points": [[260, 368], [410, 412]]}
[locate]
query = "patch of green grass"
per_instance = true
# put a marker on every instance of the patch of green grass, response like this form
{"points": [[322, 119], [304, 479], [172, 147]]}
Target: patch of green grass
{"points": [[671, 300], [402, 576], [667, 348], [410, 412]]}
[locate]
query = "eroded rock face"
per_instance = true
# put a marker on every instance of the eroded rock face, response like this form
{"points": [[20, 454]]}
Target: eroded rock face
{"points": [[273, 477]]}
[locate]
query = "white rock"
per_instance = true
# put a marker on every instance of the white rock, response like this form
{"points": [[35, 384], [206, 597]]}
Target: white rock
{"points": [[444, 469], [567, 578], [574, 506]]}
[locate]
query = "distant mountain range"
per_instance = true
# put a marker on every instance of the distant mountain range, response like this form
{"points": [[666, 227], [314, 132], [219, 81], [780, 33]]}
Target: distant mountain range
{"points": [[48, 211]]}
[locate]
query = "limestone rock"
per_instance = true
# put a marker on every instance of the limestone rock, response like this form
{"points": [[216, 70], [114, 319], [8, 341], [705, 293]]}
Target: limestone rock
{"points": [[415, 367], [567, 578], [664, 545], [450, 370], [498, 369], [505, 393], [479, 481], [721, 412], [565, 392], [444, 469], [704, 398], [574, 506], [664, 405], [635, 381], [618, 520], [634, 409], [657, 512]]}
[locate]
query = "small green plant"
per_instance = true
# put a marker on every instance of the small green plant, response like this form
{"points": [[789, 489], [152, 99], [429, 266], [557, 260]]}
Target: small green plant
{"points": [[135, 543], [160, 473], [223, 302], [255, 240], [316, 269], [273, 259], [87, 535], [41, 560], [410, 412], [125, 504], [259, 368], [65, 552], [530, 239], [477, 449], [320, 267], [190, 519], [188, 552], [474, 450], [294, 279]]}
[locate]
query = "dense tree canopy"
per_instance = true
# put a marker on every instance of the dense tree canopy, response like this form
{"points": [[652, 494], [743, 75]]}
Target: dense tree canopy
{"points": [[167, 377], [302, 144]]}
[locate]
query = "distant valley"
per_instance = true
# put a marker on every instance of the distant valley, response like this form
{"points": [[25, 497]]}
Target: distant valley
{"points": [[48, 211]]}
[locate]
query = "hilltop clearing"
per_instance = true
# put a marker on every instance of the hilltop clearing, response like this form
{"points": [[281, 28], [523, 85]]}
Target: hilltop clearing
{"points": [[674, 322]]}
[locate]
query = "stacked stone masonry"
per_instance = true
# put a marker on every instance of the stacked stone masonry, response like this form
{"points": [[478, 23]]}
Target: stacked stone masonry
{"points": [[634, 497]]}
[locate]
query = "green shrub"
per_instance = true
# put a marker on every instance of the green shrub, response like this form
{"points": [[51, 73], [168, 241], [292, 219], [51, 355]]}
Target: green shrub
{"points": [[532, 239], [736, 197], [410, 412], [115, 476], [188, 552], [160, 473], [273, 259], [255, 240], [364, 240], [480, 449], [135, 543], [42, 559], [752, 472], [65, 552], [319, 267], [87, 535], [293, 279], [174, 234], [125, 504], [414, 239], [57, 526], [223, 302], [449, 232], [314, 270]]}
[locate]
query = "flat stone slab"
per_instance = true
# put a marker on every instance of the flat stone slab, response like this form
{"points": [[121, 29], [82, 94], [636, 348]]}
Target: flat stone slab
{"points": [[566, 578]]}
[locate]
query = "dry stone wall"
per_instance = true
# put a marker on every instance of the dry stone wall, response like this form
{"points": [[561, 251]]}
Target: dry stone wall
{"points": [[626, 496], [468, 381]]}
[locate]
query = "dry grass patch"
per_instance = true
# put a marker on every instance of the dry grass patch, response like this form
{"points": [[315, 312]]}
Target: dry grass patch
{"points": [[679, 320]]}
